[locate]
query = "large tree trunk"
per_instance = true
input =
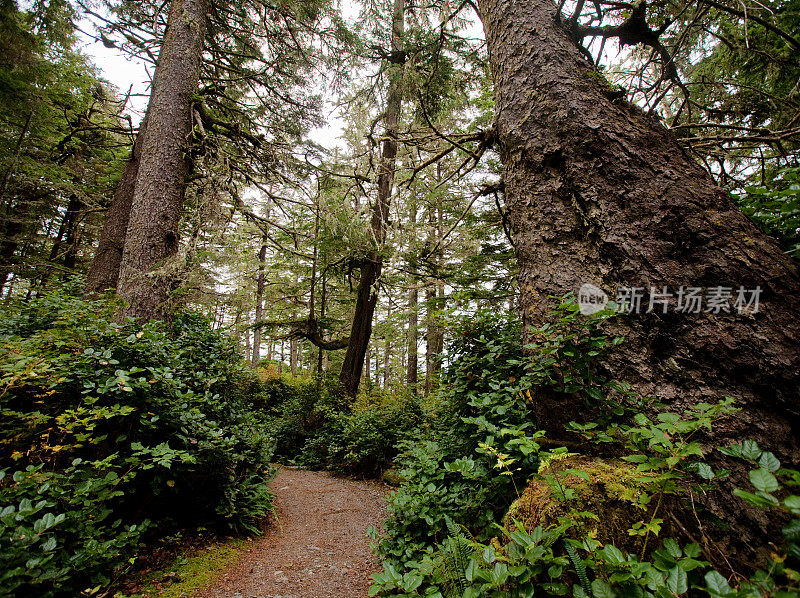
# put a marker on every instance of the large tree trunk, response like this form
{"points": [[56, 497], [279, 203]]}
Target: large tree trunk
{"points": [[598, 192], [104, 271], [152, 236], [367, 295]]}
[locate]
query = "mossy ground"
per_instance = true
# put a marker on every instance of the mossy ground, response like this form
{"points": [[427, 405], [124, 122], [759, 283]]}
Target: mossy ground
{"points": [[613, 491], [192, 571]]}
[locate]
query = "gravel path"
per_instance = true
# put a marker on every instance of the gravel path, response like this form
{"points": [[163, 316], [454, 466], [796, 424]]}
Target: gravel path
{"points": [[317, 549]]}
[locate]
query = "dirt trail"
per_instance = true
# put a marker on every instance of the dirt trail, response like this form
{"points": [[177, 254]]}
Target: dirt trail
{"points": [[317, 549]]}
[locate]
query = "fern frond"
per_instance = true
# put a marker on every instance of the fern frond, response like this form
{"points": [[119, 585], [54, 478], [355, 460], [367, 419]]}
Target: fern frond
{"points": [[453, 559], [580, 567]]}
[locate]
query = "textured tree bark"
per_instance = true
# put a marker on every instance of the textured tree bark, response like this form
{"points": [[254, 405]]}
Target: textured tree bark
{"points": [[367, 295], [152, 236], [599, 192], [368, 363], [104, 271]]}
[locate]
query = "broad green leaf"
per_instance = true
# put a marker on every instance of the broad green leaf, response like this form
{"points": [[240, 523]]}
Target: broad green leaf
{"points": [[793, 504], [672, 548], [757, 500], [602, 589], [692, 550], [704, 471], [717, 585], [677, 581], [613, 554], [763, 480], [769, 461], [750, 450]]}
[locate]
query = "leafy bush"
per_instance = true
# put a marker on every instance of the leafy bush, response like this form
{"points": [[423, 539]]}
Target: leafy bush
{"points": [[364, 441], [316, 426], [108, 427], [298, 408], [480, 445], [775, 207]]}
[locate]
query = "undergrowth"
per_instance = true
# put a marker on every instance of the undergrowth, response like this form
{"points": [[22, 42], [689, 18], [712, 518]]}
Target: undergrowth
{"points": [[316, 427], [489, 507], [109, 430]]}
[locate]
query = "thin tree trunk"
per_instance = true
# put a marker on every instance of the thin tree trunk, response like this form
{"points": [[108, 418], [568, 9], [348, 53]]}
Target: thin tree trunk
{"points": [[368, 364], [367, 295], [104, 271], [55, 250], [321, 360], [412, 367], [293, 352], [14, 226], [71, 240], [387, 353], [260, 285], [152, 235], [247, 348], [15, 158], [434, 298], [598, 192]]}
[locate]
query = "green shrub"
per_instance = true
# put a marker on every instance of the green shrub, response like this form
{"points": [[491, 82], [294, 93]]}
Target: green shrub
{"points": [[298, 407], [107, 427], [364, 441], [316, 426], [775, 208], [480, 446]]}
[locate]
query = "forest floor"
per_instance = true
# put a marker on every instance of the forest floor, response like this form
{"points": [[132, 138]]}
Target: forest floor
{"points": [[317, 548]]}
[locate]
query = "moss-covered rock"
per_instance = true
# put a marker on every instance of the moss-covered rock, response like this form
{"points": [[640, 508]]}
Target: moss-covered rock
{"points": [[392, 477], [567, 489]]}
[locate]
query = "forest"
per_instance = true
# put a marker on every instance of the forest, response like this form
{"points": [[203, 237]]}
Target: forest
{"points": [[496, 297]]}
